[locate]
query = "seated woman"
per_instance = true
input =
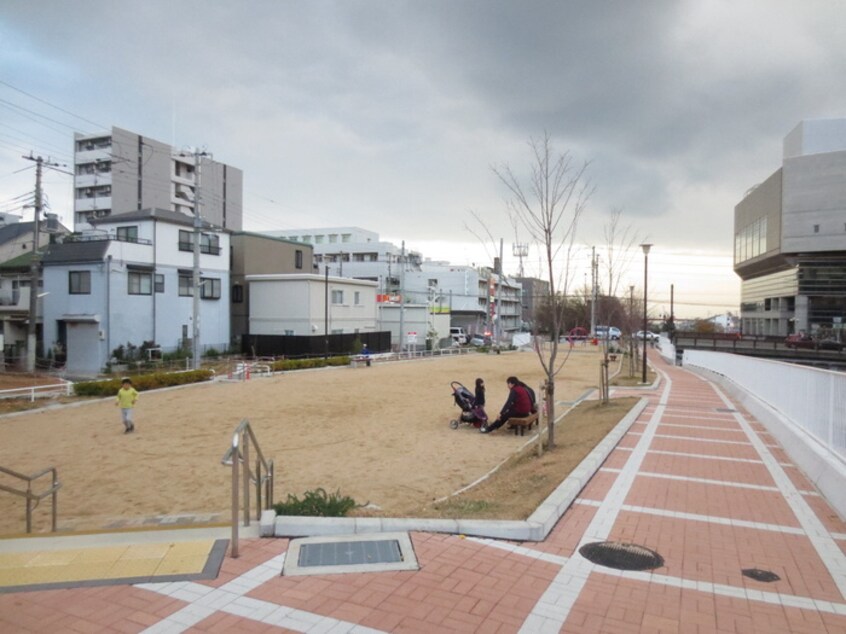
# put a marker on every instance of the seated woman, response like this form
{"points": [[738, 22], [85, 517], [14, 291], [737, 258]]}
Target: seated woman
{"points": [[520, 403]]}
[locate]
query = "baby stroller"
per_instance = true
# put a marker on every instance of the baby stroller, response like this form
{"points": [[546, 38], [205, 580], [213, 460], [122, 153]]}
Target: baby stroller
{"points": [[471, 414]]}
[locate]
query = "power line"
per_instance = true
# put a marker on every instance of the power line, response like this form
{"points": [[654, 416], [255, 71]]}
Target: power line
{"points": [[44, 101]]}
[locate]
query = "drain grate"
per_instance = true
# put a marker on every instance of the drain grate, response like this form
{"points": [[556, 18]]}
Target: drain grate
{"points": [[377, 552], [621, 556], [350, 553], [760, 575]]}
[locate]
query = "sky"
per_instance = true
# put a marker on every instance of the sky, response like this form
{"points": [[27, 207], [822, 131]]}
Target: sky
{"points": [[392, 115]]}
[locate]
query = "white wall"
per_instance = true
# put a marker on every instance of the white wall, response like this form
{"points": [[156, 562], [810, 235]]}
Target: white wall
{"points": [[297, 303]]}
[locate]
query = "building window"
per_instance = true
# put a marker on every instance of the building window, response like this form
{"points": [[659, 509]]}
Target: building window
{"points": [[210, 243], [186, 241], [159, 280], [298, 259], [289, 333], [337, 297], [186, 285], [237, 294], [127, 234], [357, 298], [140, 283], [210, 287], [79, 282], [816, 228]]}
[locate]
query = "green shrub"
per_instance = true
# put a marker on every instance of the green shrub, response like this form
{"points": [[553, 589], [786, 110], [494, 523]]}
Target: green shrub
{"points": [[316, 503], [304, 364], [142, 382]]}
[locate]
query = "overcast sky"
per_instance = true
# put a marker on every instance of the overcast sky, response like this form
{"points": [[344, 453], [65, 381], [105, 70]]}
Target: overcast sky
{"points": [[390, 115]]}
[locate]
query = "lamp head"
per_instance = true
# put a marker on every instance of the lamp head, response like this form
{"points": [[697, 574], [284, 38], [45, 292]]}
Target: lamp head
{"points": [[645, 248]]}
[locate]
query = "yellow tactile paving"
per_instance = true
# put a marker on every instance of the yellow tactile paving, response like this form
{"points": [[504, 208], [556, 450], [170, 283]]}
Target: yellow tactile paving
{"points": [[108, 562]]}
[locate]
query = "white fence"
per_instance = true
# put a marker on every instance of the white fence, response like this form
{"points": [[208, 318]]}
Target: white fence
{"points": [[811, 399]]}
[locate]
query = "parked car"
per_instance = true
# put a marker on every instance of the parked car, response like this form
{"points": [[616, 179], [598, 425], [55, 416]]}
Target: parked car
{"points": [[608, 332], [480, 340], [646, 334], [458, 335], [802, 341]]}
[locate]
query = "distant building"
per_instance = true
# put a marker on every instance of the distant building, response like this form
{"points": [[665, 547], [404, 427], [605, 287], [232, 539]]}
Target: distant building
{"points": [[259, 254], [468, 294], [310, 305], [790, 237], [120, 171], [533, 294]]}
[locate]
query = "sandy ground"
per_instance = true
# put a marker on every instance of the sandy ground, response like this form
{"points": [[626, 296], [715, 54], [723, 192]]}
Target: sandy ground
{"points": [[378, 434]]}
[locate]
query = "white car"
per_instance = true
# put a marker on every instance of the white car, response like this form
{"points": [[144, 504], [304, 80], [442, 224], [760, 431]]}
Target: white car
{"points": [[608, 332], [648, 335]]}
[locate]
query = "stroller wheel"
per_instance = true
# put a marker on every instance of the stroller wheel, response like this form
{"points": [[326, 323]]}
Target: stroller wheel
{"points": [[453, 424]]}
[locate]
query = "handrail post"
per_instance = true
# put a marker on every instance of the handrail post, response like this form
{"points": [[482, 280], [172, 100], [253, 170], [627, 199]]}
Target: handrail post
{"points": [[246, 483], [55, 500], [233, 551]]}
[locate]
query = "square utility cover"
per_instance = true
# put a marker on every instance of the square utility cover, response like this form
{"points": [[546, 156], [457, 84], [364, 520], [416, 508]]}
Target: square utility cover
{"points": [[337, 554]]}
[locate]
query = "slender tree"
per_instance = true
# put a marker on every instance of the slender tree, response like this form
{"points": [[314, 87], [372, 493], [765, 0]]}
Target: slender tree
{"points": [[549, 206]]}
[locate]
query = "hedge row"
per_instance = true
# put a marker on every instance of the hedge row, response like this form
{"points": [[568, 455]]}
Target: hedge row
{"points": [[141, 382], [304, 364]]}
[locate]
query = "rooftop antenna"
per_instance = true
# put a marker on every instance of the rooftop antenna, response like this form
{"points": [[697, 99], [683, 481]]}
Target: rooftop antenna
{"points": [[520, 251]]}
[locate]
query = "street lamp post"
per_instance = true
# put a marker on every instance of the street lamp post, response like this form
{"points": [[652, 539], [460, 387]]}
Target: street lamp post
{"points": [[645, 248]]}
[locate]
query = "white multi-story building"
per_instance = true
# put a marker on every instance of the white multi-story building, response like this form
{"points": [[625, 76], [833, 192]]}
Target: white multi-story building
{"points": [[131, 282], [469, 294], [119, 171]]}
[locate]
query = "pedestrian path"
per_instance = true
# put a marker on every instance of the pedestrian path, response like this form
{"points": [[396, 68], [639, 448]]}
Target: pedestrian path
{"points": [[744, 544]]}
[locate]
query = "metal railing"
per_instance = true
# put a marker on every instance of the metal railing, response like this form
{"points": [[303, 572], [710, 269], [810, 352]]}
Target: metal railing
{"points": [[31, 497], [57, 389], [238, 455]]}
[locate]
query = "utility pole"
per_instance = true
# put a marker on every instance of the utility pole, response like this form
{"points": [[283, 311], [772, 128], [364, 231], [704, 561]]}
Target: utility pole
{"points": [[498, 324], [31, 337], [593, 290], [198, 221], [402, 299]]}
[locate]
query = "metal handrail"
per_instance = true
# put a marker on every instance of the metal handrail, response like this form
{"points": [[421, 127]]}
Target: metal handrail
{"points": [[32, 497], [239, 454]]}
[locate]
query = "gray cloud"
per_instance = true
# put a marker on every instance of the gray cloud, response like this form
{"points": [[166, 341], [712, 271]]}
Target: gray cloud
{"points": [[388, 115]]}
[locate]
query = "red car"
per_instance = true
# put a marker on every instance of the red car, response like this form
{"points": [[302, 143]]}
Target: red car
{"points": [[800, 340]]}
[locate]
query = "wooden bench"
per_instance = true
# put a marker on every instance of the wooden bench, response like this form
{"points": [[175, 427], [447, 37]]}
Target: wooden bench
{"points": [[519, 425]]}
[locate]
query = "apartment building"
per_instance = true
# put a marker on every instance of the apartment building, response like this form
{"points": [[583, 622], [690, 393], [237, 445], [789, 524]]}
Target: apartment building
{"points": [[120, 171]]}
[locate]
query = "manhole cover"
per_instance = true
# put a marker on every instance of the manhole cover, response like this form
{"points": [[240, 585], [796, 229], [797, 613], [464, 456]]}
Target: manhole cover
{"points": [[760, 575], [621, 556]]}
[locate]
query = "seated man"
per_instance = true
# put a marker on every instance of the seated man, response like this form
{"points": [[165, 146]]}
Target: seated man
{"points": [[520, 403]]}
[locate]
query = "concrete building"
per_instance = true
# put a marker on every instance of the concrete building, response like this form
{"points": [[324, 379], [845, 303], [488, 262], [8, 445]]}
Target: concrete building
{"points": [[16, 253], [130, 281], [462, 291], [259, 254], [120, 171], [533, 294], [790, 237], [310, 305]]}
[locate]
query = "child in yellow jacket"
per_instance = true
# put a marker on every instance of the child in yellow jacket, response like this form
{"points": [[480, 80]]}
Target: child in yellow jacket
{"points": [[126, 399]]}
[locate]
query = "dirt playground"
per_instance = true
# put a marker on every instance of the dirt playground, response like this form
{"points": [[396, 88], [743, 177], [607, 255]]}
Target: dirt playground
{"points": [[379, 435]]}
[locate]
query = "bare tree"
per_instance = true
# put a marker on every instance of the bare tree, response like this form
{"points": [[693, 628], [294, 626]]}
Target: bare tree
{"points": [[620, 243], [550, 206]]}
